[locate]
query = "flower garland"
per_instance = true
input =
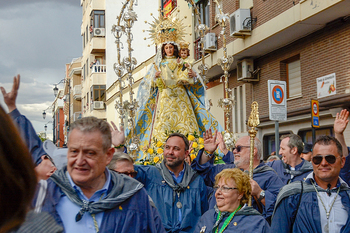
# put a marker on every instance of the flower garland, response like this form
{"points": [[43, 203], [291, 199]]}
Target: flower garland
{"points": [[155, 151]]}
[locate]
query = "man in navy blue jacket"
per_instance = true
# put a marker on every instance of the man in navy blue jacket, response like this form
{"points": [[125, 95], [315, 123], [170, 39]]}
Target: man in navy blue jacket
{"points": [[85, 196], [321, 203]]}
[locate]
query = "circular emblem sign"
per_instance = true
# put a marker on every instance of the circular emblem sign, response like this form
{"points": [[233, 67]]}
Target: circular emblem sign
{"points": [[277, 94], [315, 108]]}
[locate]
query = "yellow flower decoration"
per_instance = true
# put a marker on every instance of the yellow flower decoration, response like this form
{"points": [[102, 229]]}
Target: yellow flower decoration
{"points": [[156, 159], [150, 151], [200, 140], [120, 208], [146, 163], [160, 151], [159, 144], [201, 146], [191, 137], [193, 156], [194, 144]]}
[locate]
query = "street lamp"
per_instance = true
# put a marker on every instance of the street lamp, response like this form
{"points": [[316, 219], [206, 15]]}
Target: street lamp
{"points": [[44, 114], [45, 127], [55, 89]]}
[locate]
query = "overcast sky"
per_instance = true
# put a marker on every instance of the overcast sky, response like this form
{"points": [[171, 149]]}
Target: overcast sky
{"points": [[37, 39]]}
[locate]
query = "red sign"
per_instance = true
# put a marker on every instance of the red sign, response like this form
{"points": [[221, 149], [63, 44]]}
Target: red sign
{"points": [[277, 94]]}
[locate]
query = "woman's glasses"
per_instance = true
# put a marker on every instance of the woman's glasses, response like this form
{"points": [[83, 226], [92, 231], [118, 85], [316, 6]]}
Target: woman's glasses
{"points": [[329, 158], [223, 189]]}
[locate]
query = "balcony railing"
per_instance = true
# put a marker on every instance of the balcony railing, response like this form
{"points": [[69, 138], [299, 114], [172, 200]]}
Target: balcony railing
{"points": [[98, 69]]}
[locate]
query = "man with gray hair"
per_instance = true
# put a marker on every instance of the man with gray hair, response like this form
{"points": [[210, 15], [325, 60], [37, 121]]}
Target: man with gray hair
{"points": [[292, 167], [265, 183], [123, 164], [86, 197]]}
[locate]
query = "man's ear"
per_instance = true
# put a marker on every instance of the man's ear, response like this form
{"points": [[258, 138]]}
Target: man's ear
{"points": [[109, 154], [294, 150]]}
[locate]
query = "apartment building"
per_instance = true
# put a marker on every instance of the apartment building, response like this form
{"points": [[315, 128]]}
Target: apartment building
{"points": [[93, 61], [72, 94], [300, 42]]}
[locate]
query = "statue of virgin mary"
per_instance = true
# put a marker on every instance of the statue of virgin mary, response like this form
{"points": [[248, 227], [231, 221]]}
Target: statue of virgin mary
{"points": [[168, 101]]}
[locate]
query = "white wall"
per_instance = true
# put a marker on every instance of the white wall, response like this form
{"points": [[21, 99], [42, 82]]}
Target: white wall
{"points": [[141, 50]]}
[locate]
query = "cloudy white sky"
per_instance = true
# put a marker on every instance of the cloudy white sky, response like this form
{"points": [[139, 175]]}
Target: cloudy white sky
{"points": [[37, 39]]}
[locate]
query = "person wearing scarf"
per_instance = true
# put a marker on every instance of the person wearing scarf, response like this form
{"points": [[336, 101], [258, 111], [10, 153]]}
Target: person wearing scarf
{"points": [[179, 193], [86, 197], [321, 203], [231, 214]]}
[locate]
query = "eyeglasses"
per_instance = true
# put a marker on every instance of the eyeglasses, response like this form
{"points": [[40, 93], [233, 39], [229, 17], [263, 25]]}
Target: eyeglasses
{"points": [[329, 158], [223, 189], [131, 174], [51, 160], [239, 148]]}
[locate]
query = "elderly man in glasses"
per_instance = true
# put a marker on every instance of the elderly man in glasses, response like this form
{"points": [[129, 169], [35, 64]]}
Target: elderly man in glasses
{"points": [[265, 183], [320, 203], [122, 163]]}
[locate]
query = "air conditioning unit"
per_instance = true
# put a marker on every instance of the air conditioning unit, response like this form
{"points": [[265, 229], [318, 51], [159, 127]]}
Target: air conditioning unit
{"points": [[245, 68], [210, 42], [98, 105], [99, 32], [240, 22]]}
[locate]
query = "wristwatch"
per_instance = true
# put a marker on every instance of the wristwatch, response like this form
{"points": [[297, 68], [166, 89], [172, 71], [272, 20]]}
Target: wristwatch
{"points": [[262, 195]]}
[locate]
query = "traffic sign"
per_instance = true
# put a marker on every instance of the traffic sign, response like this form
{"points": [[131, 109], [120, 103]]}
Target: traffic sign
{"points": [[277, 100], [315, 114]]}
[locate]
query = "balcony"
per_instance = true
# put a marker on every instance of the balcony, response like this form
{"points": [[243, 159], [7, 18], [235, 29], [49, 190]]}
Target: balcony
{"points": [[77, 92], [98, 44]]}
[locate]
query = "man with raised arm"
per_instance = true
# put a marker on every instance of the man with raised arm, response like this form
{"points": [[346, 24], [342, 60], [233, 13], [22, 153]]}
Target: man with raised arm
{"points": [[321, 203], [179, 193], [265, 182]]}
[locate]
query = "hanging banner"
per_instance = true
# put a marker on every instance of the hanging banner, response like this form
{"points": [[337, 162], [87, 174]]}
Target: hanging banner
{"points": [[168, 7]]}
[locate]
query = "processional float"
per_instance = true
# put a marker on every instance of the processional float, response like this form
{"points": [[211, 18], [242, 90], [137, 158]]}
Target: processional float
{"points": [[126, 66]]}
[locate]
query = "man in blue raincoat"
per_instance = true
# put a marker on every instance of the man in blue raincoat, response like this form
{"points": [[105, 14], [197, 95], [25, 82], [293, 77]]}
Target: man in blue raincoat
{"points": [[179, 193], [321, 203]]}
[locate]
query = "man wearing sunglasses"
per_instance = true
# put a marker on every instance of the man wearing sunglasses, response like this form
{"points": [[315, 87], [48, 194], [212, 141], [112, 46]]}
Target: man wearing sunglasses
{"points": [[321, 203], [291, 167], [265, 182]]}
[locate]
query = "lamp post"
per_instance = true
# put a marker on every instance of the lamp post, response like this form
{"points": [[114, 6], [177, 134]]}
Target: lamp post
{"points": [[45, 127], [55, 92]]}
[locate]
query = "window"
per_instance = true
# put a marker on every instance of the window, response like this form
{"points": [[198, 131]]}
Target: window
{"points": [[293, 79], [239, 109], [306, 135], [98, 93], [99, 19], [269, 144]]}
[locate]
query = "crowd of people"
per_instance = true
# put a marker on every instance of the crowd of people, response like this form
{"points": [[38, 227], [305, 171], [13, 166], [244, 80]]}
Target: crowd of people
{"points": [[94, 185]]}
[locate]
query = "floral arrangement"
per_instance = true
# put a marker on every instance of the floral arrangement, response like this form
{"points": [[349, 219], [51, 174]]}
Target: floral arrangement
{"points": [[155, 151]]}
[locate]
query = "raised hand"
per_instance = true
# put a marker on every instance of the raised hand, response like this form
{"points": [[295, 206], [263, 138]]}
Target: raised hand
{"points": [[210, 143], [341, 121], [222, 145], [118, 136], [10, 97]]}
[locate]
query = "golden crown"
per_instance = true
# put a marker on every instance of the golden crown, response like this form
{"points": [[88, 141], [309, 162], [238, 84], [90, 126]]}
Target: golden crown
{"points": [[184, 45], [166, 29]]}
